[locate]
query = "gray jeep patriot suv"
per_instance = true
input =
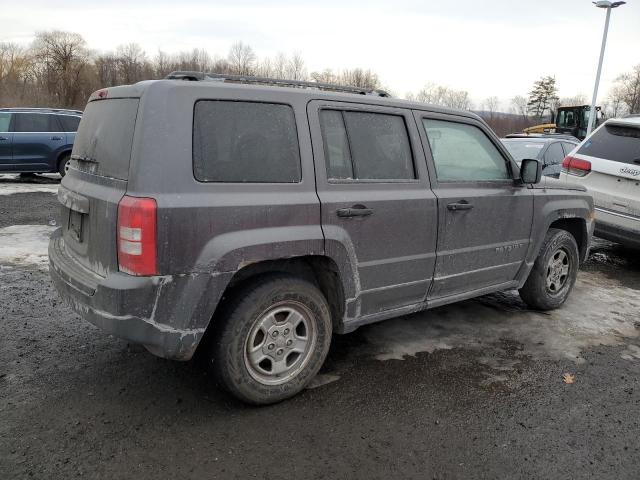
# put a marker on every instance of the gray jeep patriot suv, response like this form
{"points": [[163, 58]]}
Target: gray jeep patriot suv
{"points": [[269, 216]]}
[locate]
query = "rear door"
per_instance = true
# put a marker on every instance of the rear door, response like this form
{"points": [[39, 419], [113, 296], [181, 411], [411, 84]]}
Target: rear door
{"points": [[375, 200], [484, 217], [36, 139], [6, 138], [96, 181]]}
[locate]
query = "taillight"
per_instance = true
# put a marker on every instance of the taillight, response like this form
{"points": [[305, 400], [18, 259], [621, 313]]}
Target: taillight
{"points": [[137, 251], [576, 166]]}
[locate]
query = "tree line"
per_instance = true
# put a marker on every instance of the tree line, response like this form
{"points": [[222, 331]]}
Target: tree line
{"points": [[59, 69]]}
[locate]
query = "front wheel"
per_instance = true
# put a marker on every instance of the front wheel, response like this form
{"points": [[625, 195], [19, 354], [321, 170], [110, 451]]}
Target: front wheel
{"points": [[273, 337], [554, 272]]}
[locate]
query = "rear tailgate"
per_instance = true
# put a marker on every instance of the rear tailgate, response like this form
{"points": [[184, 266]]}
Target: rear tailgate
{"points": [[614, 153], [96, 182]]}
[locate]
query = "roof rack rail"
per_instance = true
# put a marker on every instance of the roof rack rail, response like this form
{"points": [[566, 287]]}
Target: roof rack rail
{"points": [[220, 77], [35, 109]]}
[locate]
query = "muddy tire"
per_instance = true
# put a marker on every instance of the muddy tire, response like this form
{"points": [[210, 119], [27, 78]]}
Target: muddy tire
{"points": [[554, 272], [63, 164], [271, 339]]}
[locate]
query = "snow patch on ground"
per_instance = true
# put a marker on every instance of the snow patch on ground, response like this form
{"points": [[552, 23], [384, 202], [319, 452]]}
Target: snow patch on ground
{"points": [[25, 244], [599, 311], [11, 188]]}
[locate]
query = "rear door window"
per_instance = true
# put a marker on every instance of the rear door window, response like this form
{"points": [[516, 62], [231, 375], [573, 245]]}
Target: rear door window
{"points": [[103, 143], [36, 122], [614, 142], [5, 120], [568, 147], [69, 122], [463, 153], [245, 142], [366, 146]]}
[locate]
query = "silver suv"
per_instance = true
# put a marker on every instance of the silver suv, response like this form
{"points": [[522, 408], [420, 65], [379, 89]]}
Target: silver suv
{"points": [[255, 221]]}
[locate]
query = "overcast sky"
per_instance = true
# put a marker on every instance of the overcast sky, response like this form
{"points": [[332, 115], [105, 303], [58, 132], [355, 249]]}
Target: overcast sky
{"points": [[488, 48]]}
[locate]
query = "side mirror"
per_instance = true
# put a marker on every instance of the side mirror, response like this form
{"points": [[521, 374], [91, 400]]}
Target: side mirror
{"points": [[530, 171]]}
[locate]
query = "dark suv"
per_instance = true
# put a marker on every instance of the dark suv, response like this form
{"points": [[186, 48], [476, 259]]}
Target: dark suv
{"points": [[37, 140], [253, 221]]}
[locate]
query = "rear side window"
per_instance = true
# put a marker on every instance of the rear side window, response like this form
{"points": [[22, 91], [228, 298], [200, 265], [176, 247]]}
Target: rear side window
{"points": [[36, 122], [614, 142], [69, 122], [245, 142], [105, 136], [464, 153], [366, 146]]}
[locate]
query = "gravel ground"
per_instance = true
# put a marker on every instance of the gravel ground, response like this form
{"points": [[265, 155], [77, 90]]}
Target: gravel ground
{"points": [[473, 390]]}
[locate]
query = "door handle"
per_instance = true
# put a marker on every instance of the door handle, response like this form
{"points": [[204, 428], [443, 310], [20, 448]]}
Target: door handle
{"points": [[56, 138], [4, 138], [461, 205], [355, 211]]}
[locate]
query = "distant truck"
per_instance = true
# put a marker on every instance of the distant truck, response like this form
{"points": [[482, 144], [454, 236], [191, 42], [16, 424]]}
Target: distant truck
{"points": [[572, 120]]}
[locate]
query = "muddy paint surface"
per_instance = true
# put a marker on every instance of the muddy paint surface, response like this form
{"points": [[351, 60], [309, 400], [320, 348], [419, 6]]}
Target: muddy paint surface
{"points": [[472, 390]]}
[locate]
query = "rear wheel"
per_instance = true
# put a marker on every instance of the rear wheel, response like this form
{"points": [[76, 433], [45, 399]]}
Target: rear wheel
{"points": [[554, 272], [63, 164], [273, 337]]}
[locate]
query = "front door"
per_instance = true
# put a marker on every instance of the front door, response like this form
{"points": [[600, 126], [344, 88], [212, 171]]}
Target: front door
{"points": [[376, 202], [484, 215]]}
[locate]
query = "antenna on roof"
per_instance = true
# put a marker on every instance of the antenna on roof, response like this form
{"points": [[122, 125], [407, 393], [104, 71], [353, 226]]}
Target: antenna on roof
{"points": [[218, 77]]}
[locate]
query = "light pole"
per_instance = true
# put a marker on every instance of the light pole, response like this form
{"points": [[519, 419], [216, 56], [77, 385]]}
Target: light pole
{"points": [[608, 5]]}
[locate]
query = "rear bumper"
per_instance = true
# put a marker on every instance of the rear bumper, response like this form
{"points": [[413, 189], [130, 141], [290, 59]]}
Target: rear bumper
{"points": [[167, 314], [617, 227]]}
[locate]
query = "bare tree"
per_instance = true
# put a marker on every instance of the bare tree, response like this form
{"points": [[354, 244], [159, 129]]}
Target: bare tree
{"points": [[62, 58], [627, 89], [241, 59], [295, 69], [520, 106], [492, 104]]}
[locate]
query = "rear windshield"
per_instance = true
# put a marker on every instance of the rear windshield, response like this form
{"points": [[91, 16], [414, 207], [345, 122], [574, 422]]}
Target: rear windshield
{"points": [[520, 150], [614, 142], [245, 142], [103, 142]]}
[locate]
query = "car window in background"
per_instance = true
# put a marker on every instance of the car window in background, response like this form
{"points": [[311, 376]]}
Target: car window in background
{"points": [[520, 150], [245, 142], [613, 142], [568, 147], [69, 122], [554, 154], [36, 122], [5, 120], [463, 152]]}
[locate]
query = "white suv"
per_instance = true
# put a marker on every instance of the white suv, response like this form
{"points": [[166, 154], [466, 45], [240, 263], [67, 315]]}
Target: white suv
{"points": [[608, 164]]}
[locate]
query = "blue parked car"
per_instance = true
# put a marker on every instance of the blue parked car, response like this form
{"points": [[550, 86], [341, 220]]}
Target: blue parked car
{"points": [[37, 140]]}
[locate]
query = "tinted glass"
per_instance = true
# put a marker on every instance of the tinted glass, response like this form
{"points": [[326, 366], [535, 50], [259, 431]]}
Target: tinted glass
{"points": [[69, 122], [554, 154], [36, 122], [336, 145], [379, 146], [463, 152], [105, 137], [5, 120], [245, 142], [613, 142], [521, 149]]}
